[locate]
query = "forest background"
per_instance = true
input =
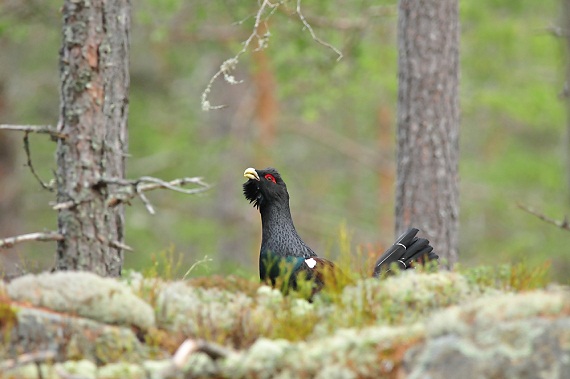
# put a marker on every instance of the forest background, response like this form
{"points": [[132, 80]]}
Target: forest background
{"points": [[328, 126]]}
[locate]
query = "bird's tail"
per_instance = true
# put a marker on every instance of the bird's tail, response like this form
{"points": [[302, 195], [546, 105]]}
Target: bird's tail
{"points": [[407, 249]]}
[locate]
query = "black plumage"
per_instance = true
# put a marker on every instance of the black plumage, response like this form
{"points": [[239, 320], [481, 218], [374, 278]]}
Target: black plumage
{"points": [[282, 246]]}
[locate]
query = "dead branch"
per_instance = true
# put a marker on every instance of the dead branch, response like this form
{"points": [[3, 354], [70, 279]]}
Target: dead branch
{"points": [[187, 349], [262, 40], [24, 359], [343, 23], [137, 187], [9, 242], [46, 236], [44, 185], [230, 64], [564, 224], [40, 129], [315, 38]]}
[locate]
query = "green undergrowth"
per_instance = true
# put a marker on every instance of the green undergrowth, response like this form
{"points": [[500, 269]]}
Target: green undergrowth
{"points": [[237, 311]]}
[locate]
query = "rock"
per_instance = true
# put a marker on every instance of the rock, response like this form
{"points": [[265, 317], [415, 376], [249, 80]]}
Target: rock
{"points": [[83, 294], [505, 336]]}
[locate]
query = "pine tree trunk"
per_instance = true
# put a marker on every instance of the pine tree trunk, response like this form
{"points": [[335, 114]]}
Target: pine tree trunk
{"points": [[94, 62], [428, 122]]}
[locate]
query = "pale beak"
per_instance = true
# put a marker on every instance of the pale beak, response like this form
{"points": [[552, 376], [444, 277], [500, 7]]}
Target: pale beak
{"points": [[250, 173]]}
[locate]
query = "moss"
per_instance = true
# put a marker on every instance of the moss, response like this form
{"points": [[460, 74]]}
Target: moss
{"points": [[489, 310], [121, 370], [84, 294]]}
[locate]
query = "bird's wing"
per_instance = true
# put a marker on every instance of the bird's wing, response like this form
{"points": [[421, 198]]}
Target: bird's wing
{"points": [[407, 249]]}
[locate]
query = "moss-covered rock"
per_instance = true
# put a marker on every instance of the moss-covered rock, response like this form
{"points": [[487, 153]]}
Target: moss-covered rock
{"points": [[84, 294], [524, 335], [70, 337]]}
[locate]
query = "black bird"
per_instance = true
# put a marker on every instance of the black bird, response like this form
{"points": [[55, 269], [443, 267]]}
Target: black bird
{"points": [[282, 247]]}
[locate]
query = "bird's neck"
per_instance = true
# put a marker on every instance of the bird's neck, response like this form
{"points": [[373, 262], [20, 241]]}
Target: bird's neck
{"points": [[277, 217], [279, 235]]}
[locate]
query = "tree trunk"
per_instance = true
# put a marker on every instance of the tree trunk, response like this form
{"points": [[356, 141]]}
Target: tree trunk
{"points": [[94, 106], [428, 122]]}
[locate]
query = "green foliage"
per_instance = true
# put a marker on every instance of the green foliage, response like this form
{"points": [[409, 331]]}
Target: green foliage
{"points": [[520, 276]]}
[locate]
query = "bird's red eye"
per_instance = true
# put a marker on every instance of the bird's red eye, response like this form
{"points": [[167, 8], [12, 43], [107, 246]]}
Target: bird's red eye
{"points": [[270, 177]]}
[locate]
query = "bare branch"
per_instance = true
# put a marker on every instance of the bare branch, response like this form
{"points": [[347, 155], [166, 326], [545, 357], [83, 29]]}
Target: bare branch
{"points": [[137, 187], [315, 38], [190, 346], [46, 236], [187, 349], [44, 185], [120, 245], [230, 64], [24, 359], [148, 183], [41, 129], [564, 224], [343, 23], [174, 185]]}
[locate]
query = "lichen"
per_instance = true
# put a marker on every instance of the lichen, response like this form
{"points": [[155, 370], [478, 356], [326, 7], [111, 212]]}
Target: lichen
{"points": [[83, 294]]}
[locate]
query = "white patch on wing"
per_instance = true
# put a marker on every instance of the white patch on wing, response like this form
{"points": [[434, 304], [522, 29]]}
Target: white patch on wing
{"points": [[311, 262]]}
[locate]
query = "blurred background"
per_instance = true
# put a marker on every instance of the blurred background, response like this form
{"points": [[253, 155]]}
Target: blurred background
{"points": [[328, 126]]}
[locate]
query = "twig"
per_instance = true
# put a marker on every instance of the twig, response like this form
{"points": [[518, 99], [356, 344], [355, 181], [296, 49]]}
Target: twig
{"points": [[148, 183], [119, 245], [564, 224], [190, 346], [262, 42], [230, 64], [47, 236], [196, 264], [31, 166], [315, 38], [186, 350], [136, 188], [24, 359], [41, 129]]}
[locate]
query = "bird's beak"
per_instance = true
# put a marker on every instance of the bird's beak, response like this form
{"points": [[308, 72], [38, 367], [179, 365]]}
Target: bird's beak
{"points": [[250, 173]]}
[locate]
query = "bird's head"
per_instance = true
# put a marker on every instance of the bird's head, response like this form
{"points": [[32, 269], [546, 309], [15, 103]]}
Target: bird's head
{"points": [[264, 187]]}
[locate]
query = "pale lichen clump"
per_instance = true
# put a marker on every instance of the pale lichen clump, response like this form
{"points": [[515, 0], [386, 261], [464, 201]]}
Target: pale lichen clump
{"points": [[405, 298], [181, 307], [511, 335], [490, 310], [84, 294]]}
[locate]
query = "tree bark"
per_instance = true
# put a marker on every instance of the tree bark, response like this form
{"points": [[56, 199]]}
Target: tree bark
{"points": [[428, 122], [94, 62]]}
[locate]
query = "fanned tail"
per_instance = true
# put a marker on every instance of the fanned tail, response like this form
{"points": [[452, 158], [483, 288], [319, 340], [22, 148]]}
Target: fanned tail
{"points": [[407, 249]]}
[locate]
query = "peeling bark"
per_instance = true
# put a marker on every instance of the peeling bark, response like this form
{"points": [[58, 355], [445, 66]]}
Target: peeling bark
{"points": [[94, 61], [428, 122]]}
